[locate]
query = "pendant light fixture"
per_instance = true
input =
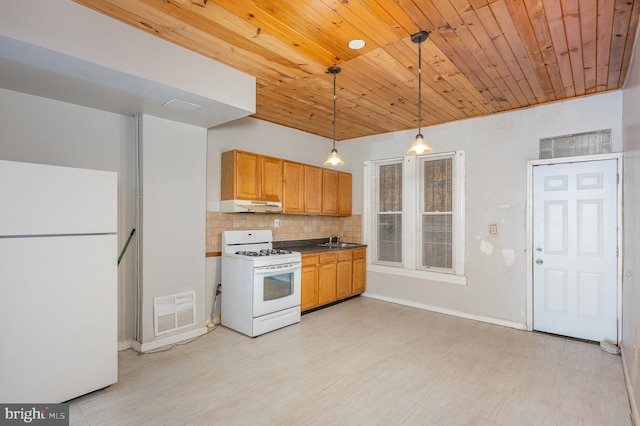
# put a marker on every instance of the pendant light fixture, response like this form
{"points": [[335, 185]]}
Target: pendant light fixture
{"points": [[334, 158], [419, 145]]}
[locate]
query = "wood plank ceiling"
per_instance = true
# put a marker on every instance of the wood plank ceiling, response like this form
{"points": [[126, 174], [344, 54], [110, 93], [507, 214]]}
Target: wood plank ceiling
{"points": [[482, 56]]}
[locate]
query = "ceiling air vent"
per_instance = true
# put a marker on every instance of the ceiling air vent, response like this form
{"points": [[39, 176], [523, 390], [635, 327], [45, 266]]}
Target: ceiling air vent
{"points": [[178, 105]]}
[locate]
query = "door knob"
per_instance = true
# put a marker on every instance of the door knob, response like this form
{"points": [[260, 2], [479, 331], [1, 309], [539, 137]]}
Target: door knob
{"points": [[539, 261]]}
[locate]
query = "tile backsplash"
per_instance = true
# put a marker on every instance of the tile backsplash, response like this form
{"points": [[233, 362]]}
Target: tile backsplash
{"points": [[292, 227]]}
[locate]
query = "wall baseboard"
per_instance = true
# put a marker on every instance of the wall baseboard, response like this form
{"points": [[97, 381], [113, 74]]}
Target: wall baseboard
{"points": [[635, 414], [124, 345], [496, 321], [159, 343]]}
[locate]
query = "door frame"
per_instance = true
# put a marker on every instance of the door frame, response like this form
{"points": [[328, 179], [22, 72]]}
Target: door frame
{"points": [[529, 247]]}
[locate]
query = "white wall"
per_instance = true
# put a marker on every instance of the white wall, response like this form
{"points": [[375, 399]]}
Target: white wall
{"points": [[39, 130], [497, 150], [173, 180], [631, 276]]}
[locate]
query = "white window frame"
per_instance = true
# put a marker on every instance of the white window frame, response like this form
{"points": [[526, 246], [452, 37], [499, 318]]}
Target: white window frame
{"points": [[411, 221]]}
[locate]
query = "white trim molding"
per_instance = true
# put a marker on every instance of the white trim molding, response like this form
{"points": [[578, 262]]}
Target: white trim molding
{"points": [[159, 343], [635, 413]]}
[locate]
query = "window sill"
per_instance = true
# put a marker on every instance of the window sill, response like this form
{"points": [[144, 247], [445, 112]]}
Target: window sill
{"points": [[425, 275]]}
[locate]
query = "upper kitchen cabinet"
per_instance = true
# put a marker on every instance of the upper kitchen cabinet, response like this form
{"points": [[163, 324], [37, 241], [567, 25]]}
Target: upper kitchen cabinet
{"points": [[336, 193], [329, 192], [271, 179], [312, 189], [293, 187], [344, 194], [249, 176], [299, 188]]}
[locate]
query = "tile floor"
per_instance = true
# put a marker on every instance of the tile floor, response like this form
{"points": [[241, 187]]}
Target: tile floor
{"points": [[366, 362]]}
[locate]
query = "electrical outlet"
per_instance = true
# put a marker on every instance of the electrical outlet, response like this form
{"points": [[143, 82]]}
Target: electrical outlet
{"points": [[493, 229], [276, 223]]}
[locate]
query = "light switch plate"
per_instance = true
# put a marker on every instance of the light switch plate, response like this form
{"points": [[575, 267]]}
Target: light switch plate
{"points": [[493, 229]]}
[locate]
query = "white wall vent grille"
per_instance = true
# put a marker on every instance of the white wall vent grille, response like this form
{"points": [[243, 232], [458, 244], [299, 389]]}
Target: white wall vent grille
{"points": [[590, 143], [174, 312]]}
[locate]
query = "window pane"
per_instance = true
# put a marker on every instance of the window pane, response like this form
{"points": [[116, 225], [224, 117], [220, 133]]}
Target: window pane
{"points": [[390, 237], [390, 188], [437, 236], [437, 213], [389, 213], [438, 184]]}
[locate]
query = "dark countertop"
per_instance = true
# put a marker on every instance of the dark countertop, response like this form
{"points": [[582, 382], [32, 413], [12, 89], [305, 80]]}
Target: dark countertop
{"points": [[312, 246]]}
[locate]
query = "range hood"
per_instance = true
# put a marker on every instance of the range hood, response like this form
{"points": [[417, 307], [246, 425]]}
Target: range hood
{"points": [[249, 206]]}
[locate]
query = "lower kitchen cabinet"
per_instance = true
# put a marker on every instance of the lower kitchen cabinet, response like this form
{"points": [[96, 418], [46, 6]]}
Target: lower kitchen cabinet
{"points": [[333, 275], [344, 277], [359, 271], [327, 277], [309, 296]]}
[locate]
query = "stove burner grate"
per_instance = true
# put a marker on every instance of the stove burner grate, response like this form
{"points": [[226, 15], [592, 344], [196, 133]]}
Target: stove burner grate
{"points": [[263, 252]]}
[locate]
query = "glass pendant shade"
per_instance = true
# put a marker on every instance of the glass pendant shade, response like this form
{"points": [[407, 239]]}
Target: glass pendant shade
{"points": [[334, 159], [419, 146]]}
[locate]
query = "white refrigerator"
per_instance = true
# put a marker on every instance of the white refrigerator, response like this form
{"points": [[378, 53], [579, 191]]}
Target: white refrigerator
{"points": [[58, 282]]}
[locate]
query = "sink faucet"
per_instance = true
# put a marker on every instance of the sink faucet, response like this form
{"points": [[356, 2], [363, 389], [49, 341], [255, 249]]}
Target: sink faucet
{"points": [[336, 237]]}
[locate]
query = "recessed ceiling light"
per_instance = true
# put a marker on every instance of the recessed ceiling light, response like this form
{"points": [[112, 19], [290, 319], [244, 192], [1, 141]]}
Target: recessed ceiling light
{"points": [[356, 44]]}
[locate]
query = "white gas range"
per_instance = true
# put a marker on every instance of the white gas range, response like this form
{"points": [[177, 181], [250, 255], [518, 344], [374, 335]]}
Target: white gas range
{"points": [[260, 284]]}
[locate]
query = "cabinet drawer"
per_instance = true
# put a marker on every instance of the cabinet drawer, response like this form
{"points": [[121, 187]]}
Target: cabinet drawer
{"points": [[360, 253], [329, 257], [345, 255], [309, 260]]}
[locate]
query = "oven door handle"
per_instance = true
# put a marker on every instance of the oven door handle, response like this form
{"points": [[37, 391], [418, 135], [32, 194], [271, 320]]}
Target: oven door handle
{"points": [[269, 269]]}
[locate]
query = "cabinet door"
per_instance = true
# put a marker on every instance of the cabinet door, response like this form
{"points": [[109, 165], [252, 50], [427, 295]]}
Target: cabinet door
{"points": [[359, 271], [309, 294], [271, 178], [326, 283], [329, 192], [344, 276], [344, 194], [248, 175], [327, 277], [312, 189], [293, 187]]}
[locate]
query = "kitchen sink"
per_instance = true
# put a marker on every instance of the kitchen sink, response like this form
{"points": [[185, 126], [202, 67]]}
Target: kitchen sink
{"points": [[338, 245]]}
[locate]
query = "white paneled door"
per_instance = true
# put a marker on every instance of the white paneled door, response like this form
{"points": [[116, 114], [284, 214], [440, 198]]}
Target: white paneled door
{"points": [[575, 249]]}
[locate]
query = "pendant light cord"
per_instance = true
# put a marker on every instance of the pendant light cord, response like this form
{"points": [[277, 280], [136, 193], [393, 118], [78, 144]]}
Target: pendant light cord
{"points": [[334, 159], [334, 109], [420, 87], [419, 145]]}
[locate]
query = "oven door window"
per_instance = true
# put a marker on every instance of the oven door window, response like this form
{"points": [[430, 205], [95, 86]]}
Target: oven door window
{"points": [[277, 286]]}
